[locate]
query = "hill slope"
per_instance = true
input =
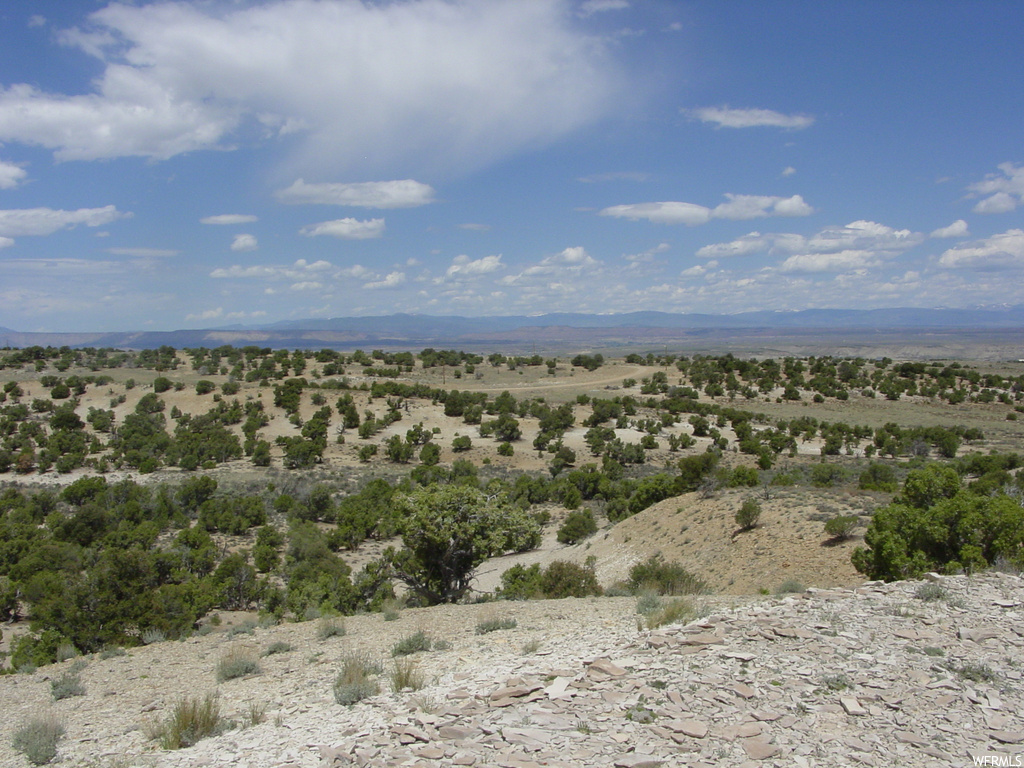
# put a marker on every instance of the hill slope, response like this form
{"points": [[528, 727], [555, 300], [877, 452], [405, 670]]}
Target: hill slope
{"points": [[909, 673]]}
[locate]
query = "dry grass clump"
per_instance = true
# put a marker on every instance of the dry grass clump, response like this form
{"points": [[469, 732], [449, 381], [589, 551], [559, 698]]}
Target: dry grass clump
{"points": [[355, 680], [191, 720], [405, 675]]}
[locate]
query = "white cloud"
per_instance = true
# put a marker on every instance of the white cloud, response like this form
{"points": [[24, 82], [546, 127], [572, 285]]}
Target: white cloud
{"points": [[726, 117], [754, 242], [46, 221], [841, 261], [405, 193], [306, 285], [1004, 191], [11, 175], [957, 229], [1002, 251], [759, 206], [359, 272], [232, 219], [356, 84], [739, 207], [1000, 202], [347, 229], [392, 280], [35, 20], [6, 242], [572, 263], [300, 271], [689, 214], [143, 253], [861, 234], [789, 170], [588, 7], [244, 243], [462, 267]]}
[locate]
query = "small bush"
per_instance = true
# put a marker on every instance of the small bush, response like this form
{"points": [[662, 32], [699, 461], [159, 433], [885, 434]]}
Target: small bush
{"points": [[842, 526], [38, 738], [493, 625], [237, 663], [412, 644], [648, 603], [577, 526], [392, 610], [245, 628], [835, 682], [354, 683], [111, 652], [930, 592], [678, 611], [665, 578], [330, 627], [153, 635], [405, 675], [974, 671], [748, 515], [279, 646], [191, 720], [66, 686], [530, 647], [790, 586]]}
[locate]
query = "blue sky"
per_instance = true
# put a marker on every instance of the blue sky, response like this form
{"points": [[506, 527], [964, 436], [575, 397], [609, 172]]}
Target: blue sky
{"points": [[202, 163]]}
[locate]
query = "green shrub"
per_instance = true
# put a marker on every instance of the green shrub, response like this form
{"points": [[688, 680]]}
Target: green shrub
{"points": [[748, 514], [826, 475], [412, 644], [278, 646], [665, 578], [485, 626], [38, 738], [842, 526], [790, 586], [236, 663], [191, 720], [930, 592], [878, 477], [577, 526], [354, 682]]}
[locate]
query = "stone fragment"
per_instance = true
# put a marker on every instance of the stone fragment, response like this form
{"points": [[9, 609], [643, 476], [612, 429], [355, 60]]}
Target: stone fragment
{"points": [[852, 706], [605, 667], [695, 729], [758, 749], [979, 635], [638, 761], [1008, 737]]}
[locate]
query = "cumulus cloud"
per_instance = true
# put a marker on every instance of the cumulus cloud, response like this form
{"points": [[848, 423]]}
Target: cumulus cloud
{"points": [[857, 235], [347, 229], [392, 280], [789, 170], [751, 243], [306, 285], [463, 268], [1003, 191], [726, 117], [405, 193], [355, 84], [6, 242], [11, 175], [46, 221], [1002, 251], [738, 207], [957, 229], [840, 261], [209, 314], [244, 243], [570, 264], [233, 219]]}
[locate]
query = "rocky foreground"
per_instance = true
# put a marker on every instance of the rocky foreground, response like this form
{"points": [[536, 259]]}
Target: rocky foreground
{"points": [[905, 674]]}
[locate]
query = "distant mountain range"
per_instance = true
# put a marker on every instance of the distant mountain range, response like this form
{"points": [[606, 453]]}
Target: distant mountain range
{"points": [[404, 330]]}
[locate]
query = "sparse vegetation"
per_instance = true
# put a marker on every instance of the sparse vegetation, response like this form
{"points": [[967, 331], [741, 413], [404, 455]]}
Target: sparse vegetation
{"points": [[486, 626], [38, 739], [406, 675], [238, 662], [191, 720], [414, 643], [355, 680]]}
